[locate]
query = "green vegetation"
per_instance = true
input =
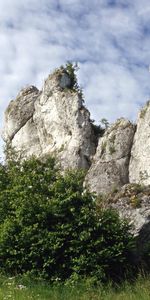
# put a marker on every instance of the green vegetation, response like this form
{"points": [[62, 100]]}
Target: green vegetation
{"points": [[71, 69], [135, 201], [105, 123], [98, 130], [112, 149], [144, 110], [57, 243], [22, 288], [51, 228]]}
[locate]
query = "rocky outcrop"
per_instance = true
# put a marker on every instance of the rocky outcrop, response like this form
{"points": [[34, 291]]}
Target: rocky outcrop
{"points": [[19, 111], [109, 168], [53, 121], [139, 168], [132, 202]]}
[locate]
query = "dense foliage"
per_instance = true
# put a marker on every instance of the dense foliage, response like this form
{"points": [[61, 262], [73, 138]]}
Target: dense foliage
{"points": [[50, 226]]}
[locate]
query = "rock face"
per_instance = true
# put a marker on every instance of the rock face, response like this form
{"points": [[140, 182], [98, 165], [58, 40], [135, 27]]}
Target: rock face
{"points": [[53, 121], [109, 168], [19, 112], [132, 202], [139, 168]]}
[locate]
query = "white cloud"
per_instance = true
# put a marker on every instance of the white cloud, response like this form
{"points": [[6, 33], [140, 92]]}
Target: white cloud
{"points": [[110, 39]]}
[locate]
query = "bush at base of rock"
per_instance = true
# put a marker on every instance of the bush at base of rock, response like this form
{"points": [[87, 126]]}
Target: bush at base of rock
{"points": [[50, 227]]}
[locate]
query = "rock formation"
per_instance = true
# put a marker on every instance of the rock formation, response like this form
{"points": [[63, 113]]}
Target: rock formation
{"points": [[139, 169], [52, 121], [19, 112], [132, 202], [110, 164]]}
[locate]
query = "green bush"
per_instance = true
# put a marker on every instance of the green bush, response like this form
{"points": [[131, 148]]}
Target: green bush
{"points": [[50, 226], [71, 69]]}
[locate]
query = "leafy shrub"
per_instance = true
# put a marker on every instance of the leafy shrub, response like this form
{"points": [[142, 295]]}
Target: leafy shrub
{"points": [[50, 226], [71, 69]]}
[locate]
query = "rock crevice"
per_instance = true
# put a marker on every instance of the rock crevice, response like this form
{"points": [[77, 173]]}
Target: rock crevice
{"points": [[111, 161]]}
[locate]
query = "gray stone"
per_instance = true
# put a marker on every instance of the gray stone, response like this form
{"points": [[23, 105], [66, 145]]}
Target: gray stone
{"points": [[26, 140], [139, 168], [65, 81], [109, 168], [53, 121], [132, 203], [19, 111]]}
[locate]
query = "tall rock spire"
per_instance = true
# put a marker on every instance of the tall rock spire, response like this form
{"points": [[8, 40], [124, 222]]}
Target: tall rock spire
{"points": [[52, 121]]}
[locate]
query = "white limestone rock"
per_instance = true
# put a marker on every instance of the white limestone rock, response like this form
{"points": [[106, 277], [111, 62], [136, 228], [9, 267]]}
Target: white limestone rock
{"points": [[132, 202], [109, 168], [63, 125], [53, 121], [139, 167], [26, 140], [19, 111]]}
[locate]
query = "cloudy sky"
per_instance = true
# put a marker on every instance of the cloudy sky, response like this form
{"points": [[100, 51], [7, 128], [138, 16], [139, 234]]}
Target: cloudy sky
{"points": [[110, 39]]}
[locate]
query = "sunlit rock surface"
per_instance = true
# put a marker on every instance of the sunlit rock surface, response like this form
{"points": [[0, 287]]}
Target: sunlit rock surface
{"points": [[139, 168], [109, 168], [52, 121]]}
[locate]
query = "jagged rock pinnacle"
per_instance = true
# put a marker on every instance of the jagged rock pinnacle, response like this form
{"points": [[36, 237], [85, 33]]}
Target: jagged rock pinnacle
{"points": [[52, 121]]}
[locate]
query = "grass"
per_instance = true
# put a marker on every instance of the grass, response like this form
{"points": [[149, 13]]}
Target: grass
{"points": [[25, 288]]}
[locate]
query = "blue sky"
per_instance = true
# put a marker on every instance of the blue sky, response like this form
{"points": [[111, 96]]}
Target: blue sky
{"points": [[110, 39]]}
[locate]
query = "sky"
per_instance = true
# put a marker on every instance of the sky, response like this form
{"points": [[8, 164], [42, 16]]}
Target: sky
{"points": [[110, 40]]}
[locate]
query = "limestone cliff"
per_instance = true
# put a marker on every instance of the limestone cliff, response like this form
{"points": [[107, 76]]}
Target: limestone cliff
{"points": [[52, 121], [110, 164], [132, 202], [19, 111], [55, 121], [139, 169]]}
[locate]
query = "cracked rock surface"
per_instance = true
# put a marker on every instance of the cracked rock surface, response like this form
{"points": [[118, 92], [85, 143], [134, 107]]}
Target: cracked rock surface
{"points": [[132, 202], [19, 111], [109, 168], [139, 168], [52, 121]]}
